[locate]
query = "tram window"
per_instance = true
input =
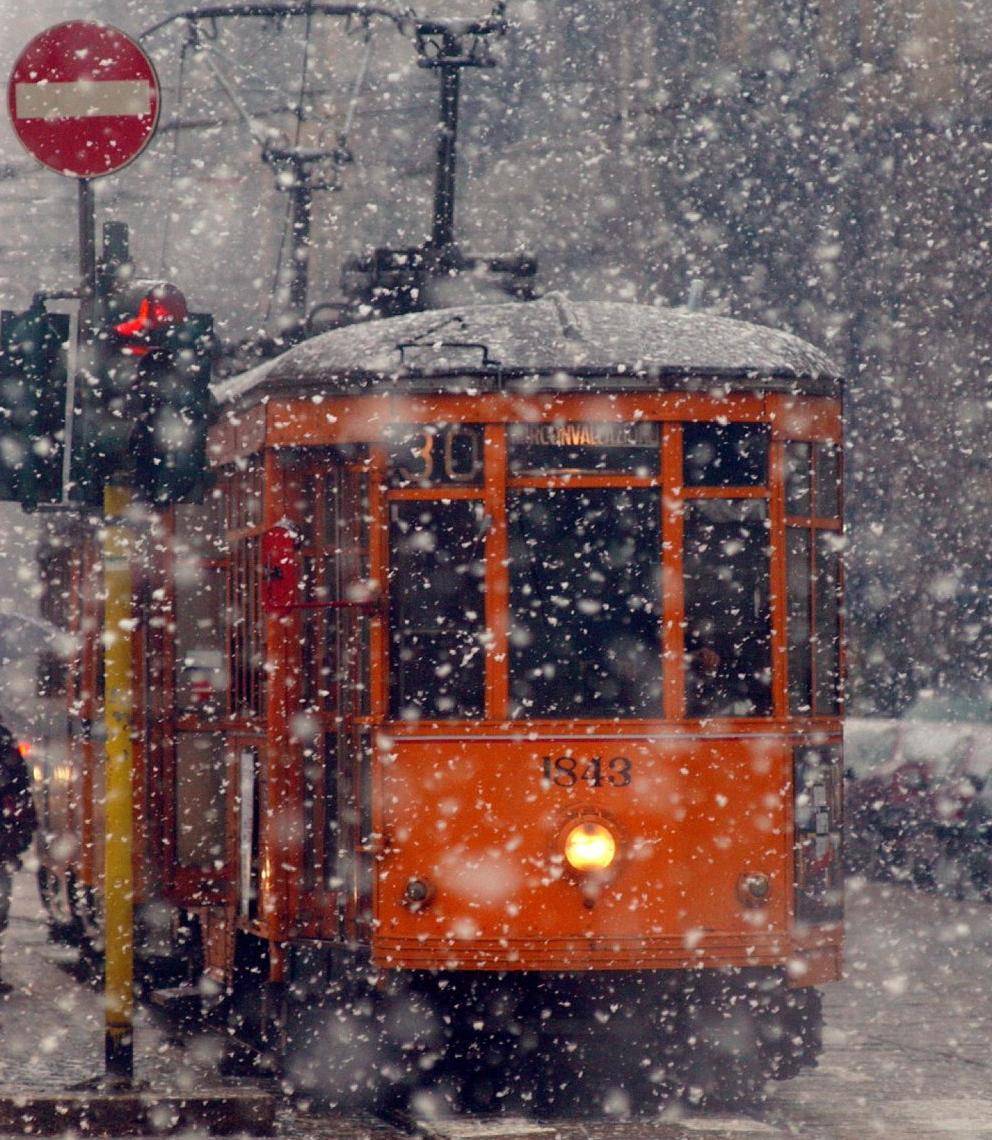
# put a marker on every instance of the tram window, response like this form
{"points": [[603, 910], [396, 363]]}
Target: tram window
{"points": [[585, 600], [428, 456], [814, 621], [548, 448], [201, 674], [727, 638], [200, 788], [725, 455], [800, 632], [826, 646], [798, 479], [437, 609], [827, 481]]}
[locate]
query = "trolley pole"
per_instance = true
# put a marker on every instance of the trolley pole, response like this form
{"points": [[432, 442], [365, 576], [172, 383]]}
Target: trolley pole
{"points": [[118, 866], [450, 63]]}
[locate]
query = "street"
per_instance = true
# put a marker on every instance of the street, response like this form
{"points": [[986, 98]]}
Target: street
{"points": [[906, 1045]]}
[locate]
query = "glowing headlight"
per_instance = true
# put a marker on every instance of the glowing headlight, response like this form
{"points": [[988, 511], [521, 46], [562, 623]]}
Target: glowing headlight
{"points": [[590, 847]]}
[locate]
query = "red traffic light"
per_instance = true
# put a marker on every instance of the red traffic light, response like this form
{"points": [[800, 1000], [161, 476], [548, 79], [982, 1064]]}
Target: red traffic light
{"points": [[162, 307]]}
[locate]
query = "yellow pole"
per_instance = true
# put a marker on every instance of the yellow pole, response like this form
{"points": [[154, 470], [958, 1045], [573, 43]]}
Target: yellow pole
{"points": [[118, 887]]}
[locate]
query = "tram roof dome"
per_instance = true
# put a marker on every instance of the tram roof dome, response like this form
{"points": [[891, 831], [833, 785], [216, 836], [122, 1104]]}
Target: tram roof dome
{"points": [[552, 343]]}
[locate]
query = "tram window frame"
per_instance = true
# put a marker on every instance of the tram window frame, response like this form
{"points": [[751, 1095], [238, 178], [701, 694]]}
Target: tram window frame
{"points": [[242, 487], [501, 481], [815, 662], [328, 503]]}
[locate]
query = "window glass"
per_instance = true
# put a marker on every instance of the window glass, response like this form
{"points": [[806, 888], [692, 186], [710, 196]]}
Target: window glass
{"points": [[549, 448], [800, 662], [798, 479], [200, 788], [201, 657], [827, 481], [725, 455], [727, 638], [585, 599], [437, 610], [826, 646]]}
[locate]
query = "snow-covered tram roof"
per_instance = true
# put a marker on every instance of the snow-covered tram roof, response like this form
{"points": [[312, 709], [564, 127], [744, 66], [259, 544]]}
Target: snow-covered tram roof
{"points": [[550, 344]]}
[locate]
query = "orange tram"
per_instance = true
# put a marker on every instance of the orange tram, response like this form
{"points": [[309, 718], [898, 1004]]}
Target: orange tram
{"points": [[488, 709]]}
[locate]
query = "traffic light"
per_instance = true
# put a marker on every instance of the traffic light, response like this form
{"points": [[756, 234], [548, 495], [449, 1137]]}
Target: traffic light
{"points": [[173, 350], [145, 405], [33, 375]]}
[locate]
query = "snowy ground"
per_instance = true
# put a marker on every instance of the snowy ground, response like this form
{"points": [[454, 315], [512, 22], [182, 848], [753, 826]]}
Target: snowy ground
{"points": [[907, 1050]]}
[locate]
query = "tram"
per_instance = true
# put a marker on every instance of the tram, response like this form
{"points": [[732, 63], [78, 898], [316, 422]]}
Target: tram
{"points": [[494, 696]]}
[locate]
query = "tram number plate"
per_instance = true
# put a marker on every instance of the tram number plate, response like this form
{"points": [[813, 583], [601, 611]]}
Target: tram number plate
{"points": [[595, 772]]}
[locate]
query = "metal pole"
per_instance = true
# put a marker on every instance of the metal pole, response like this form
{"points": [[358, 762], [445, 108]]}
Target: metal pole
{"points": [[444, 186], [87, 256], [118, 887], [72, 370], [302, 198]]}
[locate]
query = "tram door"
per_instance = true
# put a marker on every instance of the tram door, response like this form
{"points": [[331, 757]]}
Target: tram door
{"points": [[329, 500]]}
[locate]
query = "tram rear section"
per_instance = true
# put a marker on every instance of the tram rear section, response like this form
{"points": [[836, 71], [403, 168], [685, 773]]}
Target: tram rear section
{"points": [[500, 689]]}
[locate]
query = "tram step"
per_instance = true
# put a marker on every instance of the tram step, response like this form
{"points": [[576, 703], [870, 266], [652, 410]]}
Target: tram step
{"points": [[184, 1000]]}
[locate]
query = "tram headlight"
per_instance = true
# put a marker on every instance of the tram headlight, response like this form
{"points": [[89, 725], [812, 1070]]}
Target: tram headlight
{"points": [[590, 846]]}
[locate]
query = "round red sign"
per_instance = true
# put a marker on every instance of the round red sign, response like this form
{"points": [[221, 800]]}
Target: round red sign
{"points": [[83, 98]]}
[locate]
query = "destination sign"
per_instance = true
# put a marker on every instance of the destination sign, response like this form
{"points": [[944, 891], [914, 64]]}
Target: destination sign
{"points": [[586, 435], [595, 448]]}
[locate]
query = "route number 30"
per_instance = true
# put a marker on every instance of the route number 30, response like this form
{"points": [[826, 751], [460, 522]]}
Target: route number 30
{"points": [[568, 771], [451, 454]]}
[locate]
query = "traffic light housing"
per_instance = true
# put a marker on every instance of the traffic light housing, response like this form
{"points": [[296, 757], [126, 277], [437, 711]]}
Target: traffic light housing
{"points": [[33, 377], [174, 353], [147, 408]]}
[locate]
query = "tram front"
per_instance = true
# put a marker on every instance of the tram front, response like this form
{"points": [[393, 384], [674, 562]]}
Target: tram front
{"points": [[598, 751]]}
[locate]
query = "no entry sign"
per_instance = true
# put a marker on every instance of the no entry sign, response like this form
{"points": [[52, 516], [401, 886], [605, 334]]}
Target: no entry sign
{"points": [[83, 98]]}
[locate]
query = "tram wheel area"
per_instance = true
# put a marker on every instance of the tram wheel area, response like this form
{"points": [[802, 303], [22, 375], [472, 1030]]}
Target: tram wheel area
{"points": [[562, 1046], [551, 1045]]}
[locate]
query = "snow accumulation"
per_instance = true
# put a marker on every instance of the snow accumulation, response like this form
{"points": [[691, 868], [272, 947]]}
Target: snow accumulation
{"points": [[543, 338]]}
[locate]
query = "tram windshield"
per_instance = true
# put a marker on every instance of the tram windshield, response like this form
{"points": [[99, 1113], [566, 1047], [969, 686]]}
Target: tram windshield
{"points": [[579, 565], [437, 609], [585, 602]]}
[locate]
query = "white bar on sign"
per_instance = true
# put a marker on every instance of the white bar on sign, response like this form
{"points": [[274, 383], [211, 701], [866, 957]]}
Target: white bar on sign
{"points": [[83, 99]]}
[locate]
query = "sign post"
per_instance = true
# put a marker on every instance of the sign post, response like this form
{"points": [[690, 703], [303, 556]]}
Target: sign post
{"points": [[84, 100]]}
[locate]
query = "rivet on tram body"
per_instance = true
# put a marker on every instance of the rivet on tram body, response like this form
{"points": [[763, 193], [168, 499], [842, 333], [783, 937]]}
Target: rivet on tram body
{"points": [[754, 888], [418, 894]]}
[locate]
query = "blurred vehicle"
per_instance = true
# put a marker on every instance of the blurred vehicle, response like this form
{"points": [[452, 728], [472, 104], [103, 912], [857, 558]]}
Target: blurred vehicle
{"points": [[917, 806]]}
